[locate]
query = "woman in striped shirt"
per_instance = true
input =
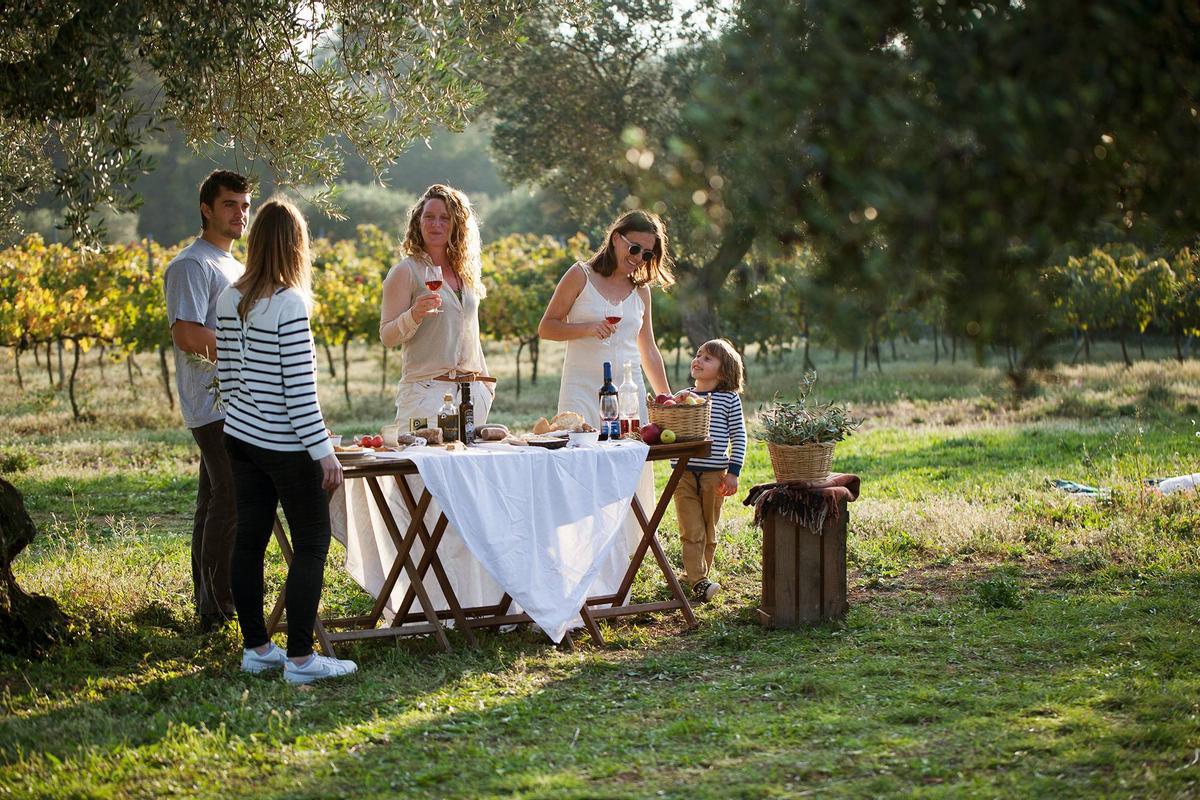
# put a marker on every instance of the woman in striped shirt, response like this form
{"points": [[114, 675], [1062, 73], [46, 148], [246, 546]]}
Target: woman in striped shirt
{"points": [[718, 375], [276, 439]]}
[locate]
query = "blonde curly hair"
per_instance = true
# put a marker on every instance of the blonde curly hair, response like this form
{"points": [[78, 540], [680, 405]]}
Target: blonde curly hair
{"points": [[463, 249]]}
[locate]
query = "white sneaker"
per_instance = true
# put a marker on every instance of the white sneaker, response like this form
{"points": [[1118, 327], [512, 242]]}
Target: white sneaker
{"points": [[272, 659], [318, 668]]}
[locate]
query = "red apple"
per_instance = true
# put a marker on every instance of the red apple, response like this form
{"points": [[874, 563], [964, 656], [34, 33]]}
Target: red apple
{"points": [[650, 433], [670, 401], [662, 399]]}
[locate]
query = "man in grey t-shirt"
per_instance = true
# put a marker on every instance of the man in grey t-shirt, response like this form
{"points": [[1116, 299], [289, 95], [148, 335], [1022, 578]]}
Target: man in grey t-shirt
{"points": [[193, 281]]}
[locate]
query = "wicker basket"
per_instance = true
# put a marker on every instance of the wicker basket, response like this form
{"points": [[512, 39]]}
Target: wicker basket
{"points": [[690, 423], [801, 462]]}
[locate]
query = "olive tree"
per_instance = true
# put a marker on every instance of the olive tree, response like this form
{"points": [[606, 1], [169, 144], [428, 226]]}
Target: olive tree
{"points": [[285, 85]]}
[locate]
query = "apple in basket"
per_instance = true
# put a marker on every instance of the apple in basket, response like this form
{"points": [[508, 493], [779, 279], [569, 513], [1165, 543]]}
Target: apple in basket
{"points": [[662, 399], [650, 433]]}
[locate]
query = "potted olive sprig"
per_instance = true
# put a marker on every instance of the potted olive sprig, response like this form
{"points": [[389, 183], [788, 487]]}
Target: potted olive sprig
{"points": [[801, 434]]}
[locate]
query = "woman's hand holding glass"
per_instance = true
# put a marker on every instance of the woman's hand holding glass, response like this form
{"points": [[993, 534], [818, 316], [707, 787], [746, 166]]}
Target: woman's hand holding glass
{"points": [[433, 282], [601, 330], [613, 312]]}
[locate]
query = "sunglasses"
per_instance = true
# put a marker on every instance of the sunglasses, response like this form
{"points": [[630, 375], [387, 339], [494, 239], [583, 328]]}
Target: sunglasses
{"points": [[635, 248]]}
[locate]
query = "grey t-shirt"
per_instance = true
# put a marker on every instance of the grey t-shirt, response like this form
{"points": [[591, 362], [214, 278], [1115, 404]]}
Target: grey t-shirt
{"points": [[193, 281]]}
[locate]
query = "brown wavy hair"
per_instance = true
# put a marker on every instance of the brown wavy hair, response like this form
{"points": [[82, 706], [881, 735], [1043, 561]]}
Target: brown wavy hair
{"points": [[277, 254], [655, 271], [731, 376], [464, 248]]}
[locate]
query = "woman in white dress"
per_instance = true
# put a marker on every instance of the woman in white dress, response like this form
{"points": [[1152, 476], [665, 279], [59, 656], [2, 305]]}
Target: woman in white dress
{"points": [[615, 282], [437, 330]]}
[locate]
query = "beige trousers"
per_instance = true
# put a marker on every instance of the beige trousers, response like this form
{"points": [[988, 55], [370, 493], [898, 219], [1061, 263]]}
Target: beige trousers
{"points": [[698, 507]]}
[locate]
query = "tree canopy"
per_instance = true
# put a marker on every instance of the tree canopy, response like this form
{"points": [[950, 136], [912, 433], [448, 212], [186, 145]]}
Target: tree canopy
{"points": [[923, 150], [948, 146], [288, 85]]}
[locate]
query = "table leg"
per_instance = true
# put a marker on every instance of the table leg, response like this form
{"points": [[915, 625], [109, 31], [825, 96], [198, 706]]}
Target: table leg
{"points": [[423, 564], [430, 559], [673, 581], [649, 532], [422, 596], [592, 627], [403, 549]]}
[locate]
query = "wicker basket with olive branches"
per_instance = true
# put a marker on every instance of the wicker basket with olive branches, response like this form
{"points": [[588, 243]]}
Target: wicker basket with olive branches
{"points": [[801, 435]]}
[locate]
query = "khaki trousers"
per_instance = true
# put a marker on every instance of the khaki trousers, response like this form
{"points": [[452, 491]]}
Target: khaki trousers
{"points": [[698, 507]]}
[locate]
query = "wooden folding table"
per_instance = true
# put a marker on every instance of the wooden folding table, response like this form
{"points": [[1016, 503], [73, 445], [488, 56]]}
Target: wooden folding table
{"points": [[427, 620]]}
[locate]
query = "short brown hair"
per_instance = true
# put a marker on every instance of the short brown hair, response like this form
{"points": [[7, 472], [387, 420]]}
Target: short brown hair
{"points": [[732, 375], [655, 271], [217, 180]]}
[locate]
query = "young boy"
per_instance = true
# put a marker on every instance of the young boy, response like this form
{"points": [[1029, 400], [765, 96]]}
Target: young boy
{"points": [[718, 376]]}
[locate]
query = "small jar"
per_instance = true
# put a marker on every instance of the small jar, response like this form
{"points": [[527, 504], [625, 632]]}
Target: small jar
{"points": [[390, 434]]}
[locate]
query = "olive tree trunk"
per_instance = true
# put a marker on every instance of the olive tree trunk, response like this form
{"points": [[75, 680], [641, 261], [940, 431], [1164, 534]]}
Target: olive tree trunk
{"points": [[29, 624]]}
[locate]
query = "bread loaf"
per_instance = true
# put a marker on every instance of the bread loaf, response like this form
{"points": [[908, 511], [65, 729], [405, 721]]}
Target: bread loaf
{"points": [[491, 433], [566, 421], [431, 435], [542, 426]]}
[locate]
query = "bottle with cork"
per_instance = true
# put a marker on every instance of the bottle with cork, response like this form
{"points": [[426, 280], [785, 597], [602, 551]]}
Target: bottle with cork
{"points": [[466, 415]]}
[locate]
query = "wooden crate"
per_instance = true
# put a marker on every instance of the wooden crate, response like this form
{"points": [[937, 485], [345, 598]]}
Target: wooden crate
{"points": [[804, 575]]}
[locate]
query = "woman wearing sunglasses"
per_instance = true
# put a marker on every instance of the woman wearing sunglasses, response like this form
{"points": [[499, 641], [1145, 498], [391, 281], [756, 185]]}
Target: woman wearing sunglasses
{"points": [[601, 309], [614, 284]]}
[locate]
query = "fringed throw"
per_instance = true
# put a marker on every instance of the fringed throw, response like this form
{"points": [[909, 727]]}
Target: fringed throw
{"points": [[809, 504]]}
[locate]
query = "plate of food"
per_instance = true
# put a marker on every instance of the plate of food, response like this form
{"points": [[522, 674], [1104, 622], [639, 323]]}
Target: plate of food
{"points": [[547, 441], [353, 453]]}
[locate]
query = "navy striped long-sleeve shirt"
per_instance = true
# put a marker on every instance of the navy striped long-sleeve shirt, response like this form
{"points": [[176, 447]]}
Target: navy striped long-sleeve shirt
{"points": [[267, 367], [727, 429]]}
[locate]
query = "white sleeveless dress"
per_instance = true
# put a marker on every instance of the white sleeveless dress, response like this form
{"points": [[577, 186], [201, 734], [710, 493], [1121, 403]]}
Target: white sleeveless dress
{"points": [[583, 365], [582, 376]]}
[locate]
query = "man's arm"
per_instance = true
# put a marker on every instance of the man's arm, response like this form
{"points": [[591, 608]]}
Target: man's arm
{"points": [[192, 337], [187, 288]]}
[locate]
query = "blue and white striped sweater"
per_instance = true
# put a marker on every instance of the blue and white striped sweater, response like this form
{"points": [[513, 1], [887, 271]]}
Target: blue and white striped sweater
{"points": [[727, 429]]}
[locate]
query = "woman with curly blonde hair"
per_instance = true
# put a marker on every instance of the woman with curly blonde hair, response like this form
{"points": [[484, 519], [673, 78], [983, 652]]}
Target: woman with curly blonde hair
{"points": [[437, 325]]}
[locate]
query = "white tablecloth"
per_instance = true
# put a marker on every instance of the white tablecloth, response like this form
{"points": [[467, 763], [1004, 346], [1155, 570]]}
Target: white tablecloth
{"points": [[550, 527]]}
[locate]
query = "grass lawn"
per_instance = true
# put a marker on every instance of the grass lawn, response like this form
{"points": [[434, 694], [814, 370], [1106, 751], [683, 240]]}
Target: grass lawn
{"points": [[1004, 639]]}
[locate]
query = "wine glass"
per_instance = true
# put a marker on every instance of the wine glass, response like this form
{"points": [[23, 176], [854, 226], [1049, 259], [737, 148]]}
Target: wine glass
{"points": [[433, 282], [613, 311]]}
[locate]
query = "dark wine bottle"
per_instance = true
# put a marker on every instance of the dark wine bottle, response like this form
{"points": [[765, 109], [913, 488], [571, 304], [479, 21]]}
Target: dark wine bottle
{"points": [[610, 410], [466, 415]]}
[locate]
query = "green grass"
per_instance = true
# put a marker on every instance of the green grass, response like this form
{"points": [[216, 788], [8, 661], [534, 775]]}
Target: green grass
{"points": [[1003, 640]]}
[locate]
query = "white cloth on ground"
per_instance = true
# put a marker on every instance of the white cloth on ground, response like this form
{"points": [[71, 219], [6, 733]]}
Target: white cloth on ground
{"points": [[1180, 483]]}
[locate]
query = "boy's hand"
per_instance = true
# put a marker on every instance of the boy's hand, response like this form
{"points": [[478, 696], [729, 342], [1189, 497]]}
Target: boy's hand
{"points": [[729, 485]]}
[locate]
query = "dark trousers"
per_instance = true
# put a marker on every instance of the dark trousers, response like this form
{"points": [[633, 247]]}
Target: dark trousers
{"points": [[213, 525], [264, 479]]}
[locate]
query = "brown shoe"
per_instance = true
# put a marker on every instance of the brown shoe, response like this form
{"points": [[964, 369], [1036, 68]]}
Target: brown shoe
{"points": [[704, 590]]}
